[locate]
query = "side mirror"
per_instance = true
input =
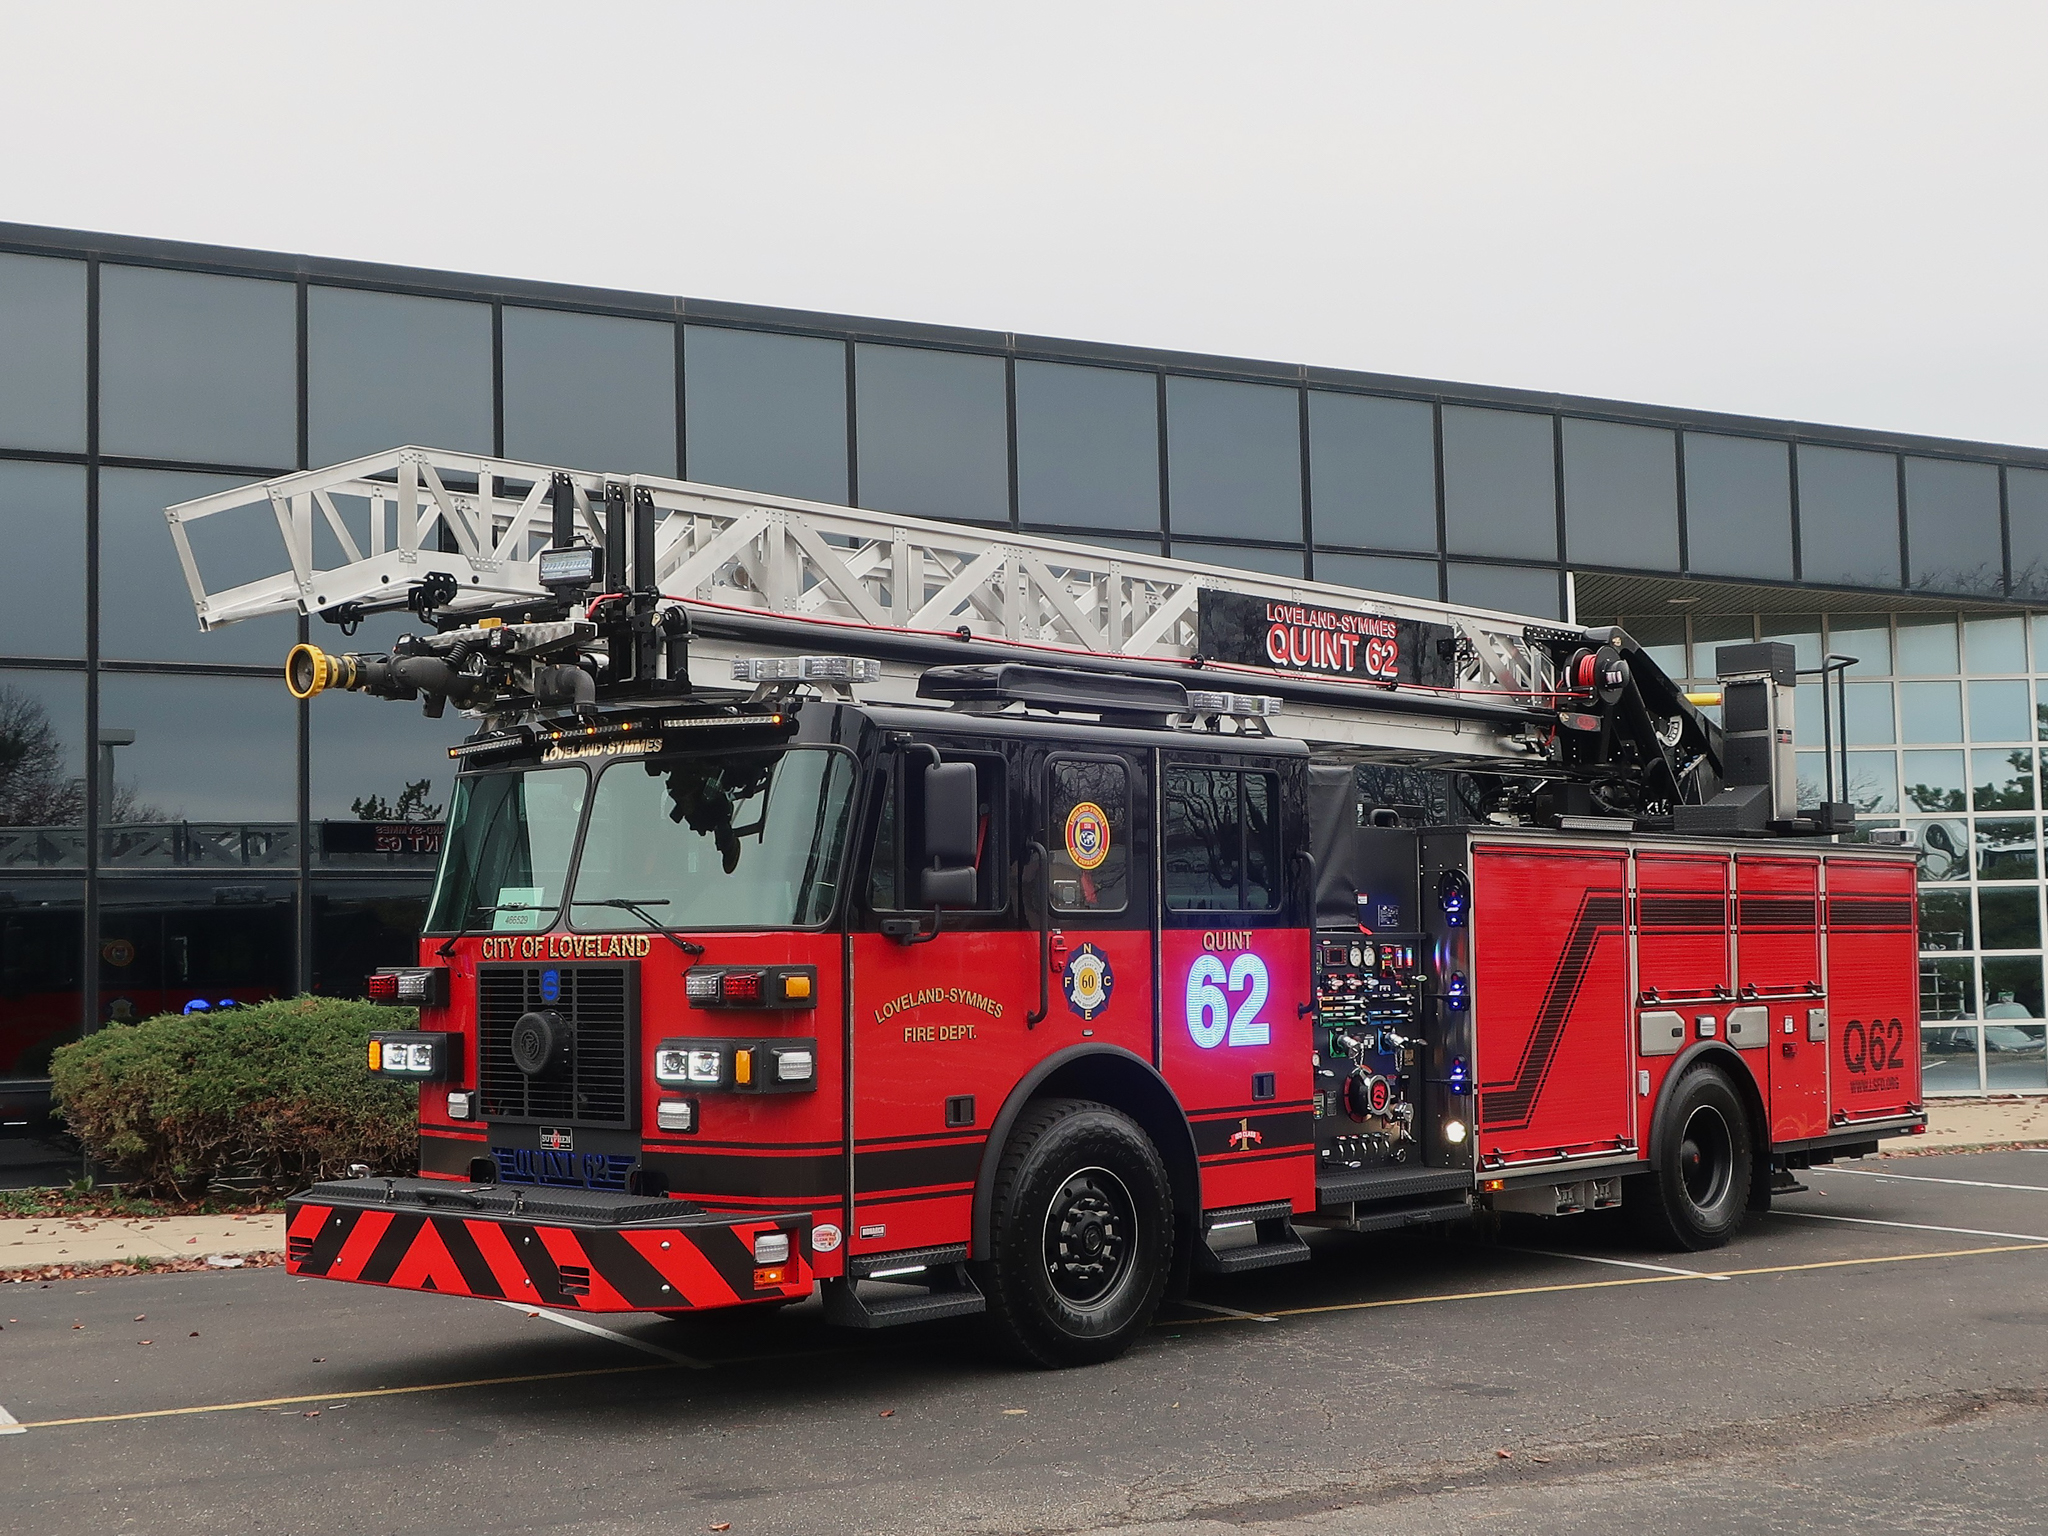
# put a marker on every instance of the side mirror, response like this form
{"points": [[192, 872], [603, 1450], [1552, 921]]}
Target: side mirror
{"points": [[952, 828]]}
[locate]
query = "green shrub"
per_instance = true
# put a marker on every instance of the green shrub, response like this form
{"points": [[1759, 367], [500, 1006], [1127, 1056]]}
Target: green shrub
{"points": [[280, 1089]]}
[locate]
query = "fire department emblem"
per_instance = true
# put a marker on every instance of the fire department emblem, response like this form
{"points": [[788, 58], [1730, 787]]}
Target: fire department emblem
{"points": [[1087, 835], [1088, 981]]}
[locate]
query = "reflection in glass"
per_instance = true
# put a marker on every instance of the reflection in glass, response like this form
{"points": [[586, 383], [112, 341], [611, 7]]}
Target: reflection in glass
{"points": [[384, 369], [42, 996], [1873, 782], [509, 840], [1712, 631], [1506, 589], [1952, 527], [1087, 446], [1868, 717], [1273, 562], [145, 610], [1931, 711], [2001, 780], [1800, 631], [1378, 573], [1621, 495], [42, 769], [766, 412], [2009, 919], [1948, 1051], [179, 945], [2026, 504], [2012, 990], [934, 440], [1810, 701], [1995, 645], [362, 925], [198, 367], [1738, 506], [1872, 647], [2013, 1055], [1934, 781], [1848, 516], [1662, 639], [1222, 843], [1233, 455], [717, 840], [1372, 471], [1999, 711], [2005, 850], [595, 391], [1088, 834], [1927, 646], [42, 507], [1944, 849], [1944, 919], [1500, 484], [1948, 990], [42, 337]]}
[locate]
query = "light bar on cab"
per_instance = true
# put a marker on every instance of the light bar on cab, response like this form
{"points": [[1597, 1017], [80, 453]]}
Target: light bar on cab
{"points": [[1249, 705], [805, 669]]}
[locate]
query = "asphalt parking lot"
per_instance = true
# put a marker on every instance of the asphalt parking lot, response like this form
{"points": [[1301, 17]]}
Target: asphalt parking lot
{"points": [[1872, 1354]]}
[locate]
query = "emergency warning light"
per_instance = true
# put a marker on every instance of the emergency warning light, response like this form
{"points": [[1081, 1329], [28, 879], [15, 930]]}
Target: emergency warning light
{"points": [[416, 986], [752, 986]]}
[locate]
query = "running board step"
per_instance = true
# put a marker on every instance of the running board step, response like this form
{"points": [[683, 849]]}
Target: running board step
{"points": [[949, 1291], [1277, 1242]]}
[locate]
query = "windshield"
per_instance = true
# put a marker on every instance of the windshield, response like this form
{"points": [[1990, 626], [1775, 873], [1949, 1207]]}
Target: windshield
{"points": [[509, 840], [726, 840]]}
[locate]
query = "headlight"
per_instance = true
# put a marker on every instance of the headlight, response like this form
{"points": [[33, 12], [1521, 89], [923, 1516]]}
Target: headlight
{"points": [[739, 1066], [671, 1066], [419, 1054]]}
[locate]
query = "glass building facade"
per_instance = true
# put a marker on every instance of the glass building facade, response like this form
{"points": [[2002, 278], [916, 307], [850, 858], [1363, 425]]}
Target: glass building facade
{"points": [[175, 830]]}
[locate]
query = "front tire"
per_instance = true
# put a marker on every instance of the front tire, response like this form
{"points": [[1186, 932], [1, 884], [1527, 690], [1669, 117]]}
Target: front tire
{"points": [[1081, 1235], [1695, 1197]]}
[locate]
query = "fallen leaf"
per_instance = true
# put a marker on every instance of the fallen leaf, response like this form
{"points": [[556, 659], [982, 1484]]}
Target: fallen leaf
{"points": [[723, 1525], [141, 1317], [146, 1341], [192, 1335], [1027, 1410], [888, 1413], [78, 1327], [319, 1359], [1503, 1455], [1544, 1459], [188, 1242], [310, 1413]]}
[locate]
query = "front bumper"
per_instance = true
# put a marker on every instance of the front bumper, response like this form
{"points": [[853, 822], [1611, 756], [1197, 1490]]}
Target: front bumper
{"points": [[582, 1250]]}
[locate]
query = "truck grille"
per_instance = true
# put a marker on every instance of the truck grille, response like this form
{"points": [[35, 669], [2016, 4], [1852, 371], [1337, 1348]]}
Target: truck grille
{"points": [[595, 1085]]}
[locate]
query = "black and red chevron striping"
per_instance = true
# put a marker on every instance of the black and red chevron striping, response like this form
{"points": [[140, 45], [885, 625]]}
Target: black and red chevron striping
{"points": [[584, 1268]]}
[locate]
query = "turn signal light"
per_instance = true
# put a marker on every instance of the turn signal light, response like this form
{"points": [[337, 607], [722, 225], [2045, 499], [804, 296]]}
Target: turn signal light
{"points": [[766, 1279], [743, 1067]]}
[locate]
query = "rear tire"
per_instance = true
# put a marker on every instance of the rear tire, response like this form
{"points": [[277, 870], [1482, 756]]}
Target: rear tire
{"points": [[1696, 1196], [1081, 1235]]}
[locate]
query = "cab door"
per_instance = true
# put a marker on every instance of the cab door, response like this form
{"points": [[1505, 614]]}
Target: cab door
{"points": [[1780, 1021]]}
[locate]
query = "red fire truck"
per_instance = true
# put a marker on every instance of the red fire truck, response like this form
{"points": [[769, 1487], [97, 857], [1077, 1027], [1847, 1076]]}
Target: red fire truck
{"points": [[1048, 977]]}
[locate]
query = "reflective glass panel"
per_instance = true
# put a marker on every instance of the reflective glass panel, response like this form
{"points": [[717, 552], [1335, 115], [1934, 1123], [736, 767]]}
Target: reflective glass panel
{"points": [[766, 412], [2041, 710], [2009, 919], [380, 780], [1871, 645], [1378, 573], [933, 437], [1931, 712], [146, 612], [2012, 990], [1798, 630], [42, 769], [1945, 920], [2005, 849], [1873, 782], [1087, 446], [2026, 507], [1934, 782], [1372, 471], [510, 837], [384, 369], [1995, 645], [203, 772], [1506, 588], [1952, 531], [42, 1006], [42, 353], [1868, 709], [592, 391], [1948, 1050], [1500, 484], [2002, 780], [1233, 456], [1944, 847], [2001, 711], [1274, 562], [1927, 646], [195, 366], [1848, 517], [1620, 494], [1712, 631], [42, 508], [1738, 506], [1662, 638], [360, 926], [1808, 702], [182, 945]]}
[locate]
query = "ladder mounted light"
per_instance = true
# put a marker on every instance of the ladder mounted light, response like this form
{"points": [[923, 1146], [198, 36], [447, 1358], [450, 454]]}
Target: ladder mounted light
{"points": [[1202, 701], [579, 567], [806, 669]]}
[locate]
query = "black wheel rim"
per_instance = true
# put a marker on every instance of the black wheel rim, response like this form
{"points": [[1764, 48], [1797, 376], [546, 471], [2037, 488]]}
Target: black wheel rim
{"points": [[1706, 1158], [1091, 1238]]}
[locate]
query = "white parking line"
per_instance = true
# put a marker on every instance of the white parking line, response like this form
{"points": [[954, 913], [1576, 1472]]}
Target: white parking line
{"points": [[1921, 1178], [583, 1325], [1589, 1258], [1911, 1226], [9, 1425], [1250, 1317]]}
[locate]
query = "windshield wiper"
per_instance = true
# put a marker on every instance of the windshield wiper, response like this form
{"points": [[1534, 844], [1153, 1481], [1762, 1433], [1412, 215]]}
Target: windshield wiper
{"points": [[639, 910], [468, 930]]}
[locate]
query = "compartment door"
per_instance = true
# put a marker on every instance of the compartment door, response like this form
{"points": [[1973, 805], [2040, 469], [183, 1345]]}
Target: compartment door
{"points": [[1873, 965], [1778, 971]]}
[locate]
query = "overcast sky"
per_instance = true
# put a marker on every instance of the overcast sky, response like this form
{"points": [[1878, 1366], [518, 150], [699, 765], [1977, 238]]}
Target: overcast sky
{"points": [[1819, 211]]}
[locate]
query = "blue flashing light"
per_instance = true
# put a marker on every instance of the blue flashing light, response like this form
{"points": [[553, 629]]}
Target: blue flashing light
{"points": [[1454, 992], [198, 1005], [550, 986], [1458, 1076]]}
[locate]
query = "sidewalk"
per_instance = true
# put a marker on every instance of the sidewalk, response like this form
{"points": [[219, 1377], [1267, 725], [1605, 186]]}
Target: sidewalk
{"points": [[44, 1240], [1953, 1124]]}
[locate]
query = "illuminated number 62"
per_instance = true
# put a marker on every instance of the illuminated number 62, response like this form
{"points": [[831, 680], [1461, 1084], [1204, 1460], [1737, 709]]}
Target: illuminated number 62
{"points": [[1209, 1015]]}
